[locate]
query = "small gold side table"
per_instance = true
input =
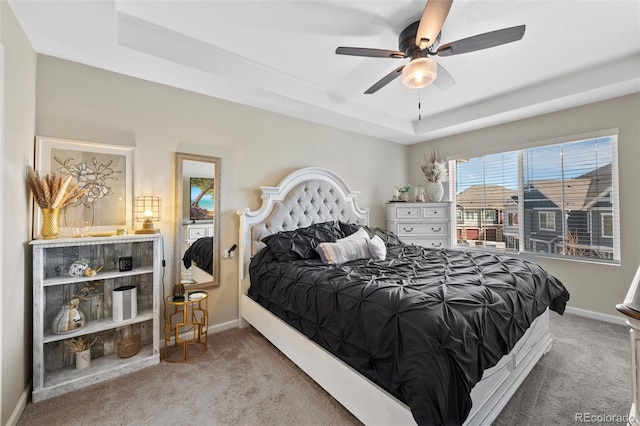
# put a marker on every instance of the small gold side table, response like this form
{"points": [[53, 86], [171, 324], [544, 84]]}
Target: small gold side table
{"points": [[189, 318]]}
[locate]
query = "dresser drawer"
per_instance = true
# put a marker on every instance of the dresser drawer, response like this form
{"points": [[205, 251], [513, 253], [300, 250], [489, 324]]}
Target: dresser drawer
{"points": [[195, 233], [408, 212], [438, 212], [433, 243], [422, 229]]}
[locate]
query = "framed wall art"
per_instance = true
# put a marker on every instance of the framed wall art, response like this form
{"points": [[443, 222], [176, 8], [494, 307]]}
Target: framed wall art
{"points": [[106, 171]]}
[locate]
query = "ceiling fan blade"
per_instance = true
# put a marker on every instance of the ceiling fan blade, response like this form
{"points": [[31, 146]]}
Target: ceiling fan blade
{"points": [[433, 17], [482, 41], [371, 53], [385, 80], [444, 79]]}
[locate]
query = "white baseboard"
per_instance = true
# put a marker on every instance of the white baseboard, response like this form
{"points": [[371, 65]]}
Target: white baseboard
{"points": [[19, 408], [217, 328], [212, 329], [597, 315]]}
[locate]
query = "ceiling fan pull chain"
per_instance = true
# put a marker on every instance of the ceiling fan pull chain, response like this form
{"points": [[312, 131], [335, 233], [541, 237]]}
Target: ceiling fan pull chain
{"points": [[419, 115]]}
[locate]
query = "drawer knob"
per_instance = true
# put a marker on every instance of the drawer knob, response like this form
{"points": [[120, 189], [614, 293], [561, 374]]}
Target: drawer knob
{"points": [[407, 229], [436, 230], [436, 245]]}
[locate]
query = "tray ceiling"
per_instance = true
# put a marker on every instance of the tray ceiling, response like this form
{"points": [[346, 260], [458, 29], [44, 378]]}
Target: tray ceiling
{"points": [[280, 56]]}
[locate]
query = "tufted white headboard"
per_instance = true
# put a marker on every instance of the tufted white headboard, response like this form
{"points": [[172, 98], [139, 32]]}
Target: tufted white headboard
{"points": [[304, 197]]}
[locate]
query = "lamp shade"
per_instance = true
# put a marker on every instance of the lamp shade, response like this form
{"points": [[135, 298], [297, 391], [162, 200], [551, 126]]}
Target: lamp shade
{"points": [[147, 209], [419, 73]]}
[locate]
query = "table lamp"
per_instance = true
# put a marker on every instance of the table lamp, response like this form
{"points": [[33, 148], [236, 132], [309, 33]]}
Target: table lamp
{"points": [[147, 210]]}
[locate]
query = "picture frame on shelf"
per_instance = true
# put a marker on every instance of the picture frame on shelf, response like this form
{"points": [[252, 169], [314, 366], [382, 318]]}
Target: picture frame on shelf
{"points": [[105, 170]]}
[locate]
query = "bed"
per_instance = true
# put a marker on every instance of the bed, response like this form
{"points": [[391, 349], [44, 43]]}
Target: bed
{"points": [[200, 254], [376, 380]]}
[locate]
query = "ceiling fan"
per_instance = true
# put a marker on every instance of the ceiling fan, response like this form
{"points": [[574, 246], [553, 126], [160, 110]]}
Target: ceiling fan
{"points": [[420, 40]]}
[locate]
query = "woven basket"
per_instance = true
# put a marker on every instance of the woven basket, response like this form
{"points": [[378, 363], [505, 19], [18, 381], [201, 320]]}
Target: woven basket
{"points": [[129, 346]]}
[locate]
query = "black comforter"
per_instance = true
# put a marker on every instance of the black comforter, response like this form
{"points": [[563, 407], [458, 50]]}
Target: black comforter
{"points": [[201, 252], [423, 324]]}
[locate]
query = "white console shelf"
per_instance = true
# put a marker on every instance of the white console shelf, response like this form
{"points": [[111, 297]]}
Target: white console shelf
{"points": [[54, 371]]}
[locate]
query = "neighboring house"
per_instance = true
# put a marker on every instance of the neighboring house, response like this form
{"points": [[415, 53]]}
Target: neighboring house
{"points": [[588, 211], [480, 212]]}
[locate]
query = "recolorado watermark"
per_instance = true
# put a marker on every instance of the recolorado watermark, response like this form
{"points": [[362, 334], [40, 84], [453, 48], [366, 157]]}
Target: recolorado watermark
{"points": [[599, 418]]}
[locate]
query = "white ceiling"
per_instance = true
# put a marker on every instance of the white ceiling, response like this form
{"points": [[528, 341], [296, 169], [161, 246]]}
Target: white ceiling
{"points": [[280, 56]]}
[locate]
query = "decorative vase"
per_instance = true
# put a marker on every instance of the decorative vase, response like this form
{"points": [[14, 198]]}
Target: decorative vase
{"points": [[83, 359], [69, 319], [433, 191], [178, 292], [78, 267], [50, 229]]}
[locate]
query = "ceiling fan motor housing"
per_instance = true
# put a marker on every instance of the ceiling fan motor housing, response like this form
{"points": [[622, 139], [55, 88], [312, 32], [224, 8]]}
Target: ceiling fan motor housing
{"points": [[407, 41]]}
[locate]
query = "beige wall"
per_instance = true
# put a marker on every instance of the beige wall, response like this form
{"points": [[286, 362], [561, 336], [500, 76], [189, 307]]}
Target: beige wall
{"points": [[17, 152], [257, 148], [593, 287]]}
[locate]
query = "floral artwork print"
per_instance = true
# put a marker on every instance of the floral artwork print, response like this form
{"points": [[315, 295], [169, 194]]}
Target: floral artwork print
{"points": [[103, 175]]}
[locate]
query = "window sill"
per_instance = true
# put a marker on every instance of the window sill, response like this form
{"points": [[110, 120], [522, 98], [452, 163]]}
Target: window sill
{"points": [[531, 256]]}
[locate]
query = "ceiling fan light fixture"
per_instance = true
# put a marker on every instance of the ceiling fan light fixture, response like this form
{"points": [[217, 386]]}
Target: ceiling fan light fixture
{"points": [[419, 73]]}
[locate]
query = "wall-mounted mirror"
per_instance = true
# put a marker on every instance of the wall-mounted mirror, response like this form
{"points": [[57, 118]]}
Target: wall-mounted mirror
{"points": [[197, 236]]}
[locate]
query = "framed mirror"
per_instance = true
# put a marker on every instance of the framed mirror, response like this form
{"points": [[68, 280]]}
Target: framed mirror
{"points": [[197, 228]]}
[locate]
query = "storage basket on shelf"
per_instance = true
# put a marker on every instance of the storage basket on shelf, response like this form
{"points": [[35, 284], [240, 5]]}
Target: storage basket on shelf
{"points": [[129, 346]]}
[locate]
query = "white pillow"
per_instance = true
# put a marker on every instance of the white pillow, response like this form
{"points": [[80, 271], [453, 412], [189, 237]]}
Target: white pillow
{"points": [[358, 235], [377, 248], [344, 251]]}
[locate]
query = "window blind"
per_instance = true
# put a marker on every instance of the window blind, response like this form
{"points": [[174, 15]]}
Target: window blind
{"points": [[558, 199]]}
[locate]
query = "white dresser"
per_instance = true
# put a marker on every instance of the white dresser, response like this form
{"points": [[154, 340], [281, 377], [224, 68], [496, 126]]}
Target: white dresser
{"points": [[194, 231], [425, 224]]}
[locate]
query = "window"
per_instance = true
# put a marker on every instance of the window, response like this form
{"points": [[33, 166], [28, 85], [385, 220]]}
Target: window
{"points": [[470, 215], [459, 215], [607, 225], [547, 221], [559, 199]]}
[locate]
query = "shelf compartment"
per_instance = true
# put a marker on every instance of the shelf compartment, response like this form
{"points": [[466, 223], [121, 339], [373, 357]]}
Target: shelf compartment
{"points": [[68, 379], [97, 326]]}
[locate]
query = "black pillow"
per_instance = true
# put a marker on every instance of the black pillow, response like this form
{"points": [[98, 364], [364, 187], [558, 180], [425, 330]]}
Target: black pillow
{"points": [[349, 228], [302, 242]]}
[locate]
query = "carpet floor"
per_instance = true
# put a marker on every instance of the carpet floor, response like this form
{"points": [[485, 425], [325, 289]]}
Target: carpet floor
{"points": [[244, 380]]}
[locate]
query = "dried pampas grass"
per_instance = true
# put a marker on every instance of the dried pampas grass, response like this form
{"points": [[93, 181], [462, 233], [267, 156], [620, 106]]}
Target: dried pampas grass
{"points": [[79, 344], [53, 191], [435, 168]]}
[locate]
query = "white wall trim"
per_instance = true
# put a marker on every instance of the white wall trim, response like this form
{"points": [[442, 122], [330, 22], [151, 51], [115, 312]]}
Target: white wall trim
{"points": [[212, 329], [596, 315], [217, 328], [20, 406]]}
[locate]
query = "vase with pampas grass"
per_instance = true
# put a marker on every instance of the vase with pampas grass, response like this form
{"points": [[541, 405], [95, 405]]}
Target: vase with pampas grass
{"points": [[435, 171], [51, 193]]}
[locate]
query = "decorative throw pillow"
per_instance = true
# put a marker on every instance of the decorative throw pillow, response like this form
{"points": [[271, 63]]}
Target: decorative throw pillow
{"points": [[302, 242], [360, 234], [344, 251], [377, 248]]}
